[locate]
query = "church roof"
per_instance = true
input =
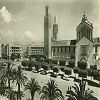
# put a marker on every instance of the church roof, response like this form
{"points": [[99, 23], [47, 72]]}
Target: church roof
{"points": [[64, 43], [84, 20]]}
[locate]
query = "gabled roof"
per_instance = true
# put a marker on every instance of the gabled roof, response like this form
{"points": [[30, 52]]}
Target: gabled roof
{"points": [[85, 21], [61, 43]]}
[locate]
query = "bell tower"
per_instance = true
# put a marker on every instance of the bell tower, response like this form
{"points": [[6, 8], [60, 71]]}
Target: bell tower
{"points": [[85, 29], [47, 32], [55, 30]]}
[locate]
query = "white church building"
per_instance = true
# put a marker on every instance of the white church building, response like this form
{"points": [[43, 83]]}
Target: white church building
{"points": [[84, 47]]}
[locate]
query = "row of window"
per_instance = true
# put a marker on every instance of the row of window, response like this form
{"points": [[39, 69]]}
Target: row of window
{"points": [[15, 50], [15, 53], [36, 51], [37, 47], [15, 47], [64, 49], [67, 56], [84, 32]]}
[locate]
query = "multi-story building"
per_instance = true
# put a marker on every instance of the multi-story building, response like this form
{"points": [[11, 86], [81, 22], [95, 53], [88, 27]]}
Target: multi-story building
{"points": [[36, 48], [13, 48]]}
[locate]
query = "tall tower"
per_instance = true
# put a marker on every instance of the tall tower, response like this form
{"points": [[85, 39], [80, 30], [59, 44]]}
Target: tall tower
{"points": [[47, 33], [85, 29], [55, 30]]}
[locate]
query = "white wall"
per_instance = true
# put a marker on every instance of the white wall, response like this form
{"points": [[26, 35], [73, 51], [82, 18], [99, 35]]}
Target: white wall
{"points": [[90, 52]]}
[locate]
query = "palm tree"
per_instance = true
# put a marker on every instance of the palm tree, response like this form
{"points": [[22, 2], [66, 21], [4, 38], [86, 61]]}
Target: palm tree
{"points": [[33, 87], [3, 87], [6, 74], [11, 94], [20, 78], [51, 92], [5, 91], [79, 92]]}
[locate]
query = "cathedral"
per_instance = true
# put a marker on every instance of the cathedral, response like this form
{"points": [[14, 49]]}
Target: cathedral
{"points": [[85, 47]]}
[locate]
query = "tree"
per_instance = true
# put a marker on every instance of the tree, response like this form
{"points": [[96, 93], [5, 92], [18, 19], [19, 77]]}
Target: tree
{"points": [[13, 56], [75, 70], [52, 65], [68, 71], [18, 56], [62, 69], [51, 91], [79, 92], [55, 62], [94, 67], [5, 91], [20, 78], [96, 75], [3, 87], [33, 87], [71, 63], [82, 65], [82, 73], [24, 63], [37, 66], [55, 69], [90, 73], [11, 94], [45, 66], [62, 62], [6, 75], [26, 53], [30, 65]]}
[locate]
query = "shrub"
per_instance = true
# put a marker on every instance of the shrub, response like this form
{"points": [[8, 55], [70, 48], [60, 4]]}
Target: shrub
{"points": [[45, 66], [68, 71], [71, 63], [55, 70], [24, 63], [52, 65], [75, 69], [82, 73], [62, 62], [55, 62], [62, 69], [82, 65], [90, 72], [94, 67]]}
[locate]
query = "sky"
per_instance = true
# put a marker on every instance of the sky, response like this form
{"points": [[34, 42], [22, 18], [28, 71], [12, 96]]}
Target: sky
{"points": [[23, 20]]}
